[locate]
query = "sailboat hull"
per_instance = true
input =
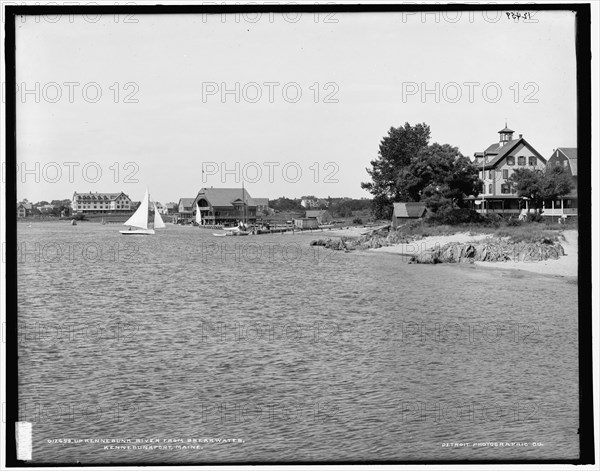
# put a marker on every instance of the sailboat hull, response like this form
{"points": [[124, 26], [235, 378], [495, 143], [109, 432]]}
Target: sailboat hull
{"points": [[138, 232]]}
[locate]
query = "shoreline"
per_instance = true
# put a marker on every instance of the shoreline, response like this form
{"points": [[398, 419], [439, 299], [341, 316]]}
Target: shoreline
{"points": [[565, 266]]}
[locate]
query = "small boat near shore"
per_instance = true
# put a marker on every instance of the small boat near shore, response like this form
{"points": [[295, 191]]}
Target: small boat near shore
{"points": [[231, 232]]}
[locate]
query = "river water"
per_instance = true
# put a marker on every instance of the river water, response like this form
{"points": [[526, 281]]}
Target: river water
{"points": [[184, 347]]}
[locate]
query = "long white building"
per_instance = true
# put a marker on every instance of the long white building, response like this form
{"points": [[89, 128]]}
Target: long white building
{"points": [[100, 202]]}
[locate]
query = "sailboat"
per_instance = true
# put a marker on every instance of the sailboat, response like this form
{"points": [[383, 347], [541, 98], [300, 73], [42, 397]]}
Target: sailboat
{"points": [[139, 219]]}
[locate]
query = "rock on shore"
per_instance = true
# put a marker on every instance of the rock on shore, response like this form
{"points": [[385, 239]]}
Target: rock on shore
{"points": [[497, 251], [334, 244]]}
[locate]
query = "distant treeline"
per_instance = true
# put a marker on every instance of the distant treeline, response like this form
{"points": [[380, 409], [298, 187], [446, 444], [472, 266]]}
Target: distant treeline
{"points": [[338, 207]]}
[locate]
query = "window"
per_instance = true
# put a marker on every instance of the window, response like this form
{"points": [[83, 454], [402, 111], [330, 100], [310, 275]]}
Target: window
{"points": [[521, 160], [505, 188], [510, 160], [513, 189], [505, 174], [490, 188], [532, 161], [490, 174], [558, 204]]}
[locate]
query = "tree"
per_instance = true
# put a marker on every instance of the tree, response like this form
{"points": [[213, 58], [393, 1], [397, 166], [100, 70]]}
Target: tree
{"points": [[388, 170], [408, 169], [538, 186], [286, 204], [441, 177]]}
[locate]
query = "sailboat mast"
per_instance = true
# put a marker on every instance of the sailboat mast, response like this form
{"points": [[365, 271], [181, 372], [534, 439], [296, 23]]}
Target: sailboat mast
{"points": [[244, 202]]}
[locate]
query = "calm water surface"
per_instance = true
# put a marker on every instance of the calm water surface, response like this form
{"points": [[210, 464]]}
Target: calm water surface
{"points": [[297, 352]]}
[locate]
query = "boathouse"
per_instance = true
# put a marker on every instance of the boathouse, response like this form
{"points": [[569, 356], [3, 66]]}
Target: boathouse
{"points": [[404, 212], [228, 206]]}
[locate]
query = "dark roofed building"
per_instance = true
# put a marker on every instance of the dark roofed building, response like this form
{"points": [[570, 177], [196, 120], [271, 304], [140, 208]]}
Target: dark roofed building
{"points": [[224, 206], [262, 204], [321, 215], [185, 210], [566, 157], [566, 206], [24, 210], [171, 208], [404, 212]]}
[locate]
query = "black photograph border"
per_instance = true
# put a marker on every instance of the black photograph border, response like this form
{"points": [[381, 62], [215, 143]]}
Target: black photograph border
{"points": [[584, 132]]}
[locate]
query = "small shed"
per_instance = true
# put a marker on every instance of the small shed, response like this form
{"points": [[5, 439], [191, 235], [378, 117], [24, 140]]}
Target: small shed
{"points": [[321, 215], [404, 212], [306, 223]]}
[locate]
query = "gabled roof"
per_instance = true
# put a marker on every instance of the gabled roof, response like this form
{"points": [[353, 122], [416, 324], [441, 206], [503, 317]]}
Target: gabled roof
{"points": [[409, 210], [224, 196], [186, 201], [25, 205], [571, 154], [506, 130], [506, 149]]}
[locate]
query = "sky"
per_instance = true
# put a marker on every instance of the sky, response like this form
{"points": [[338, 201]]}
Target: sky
{"points": [[294, 105]]}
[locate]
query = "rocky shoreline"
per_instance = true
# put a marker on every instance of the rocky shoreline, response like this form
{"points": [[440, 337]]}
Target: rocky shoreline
{"points": [[490, 250], [495, 251]]}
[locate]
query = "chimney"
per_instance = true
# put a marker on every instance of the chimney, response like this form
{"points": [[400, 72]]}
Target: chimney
{"points": [[520, 136]]}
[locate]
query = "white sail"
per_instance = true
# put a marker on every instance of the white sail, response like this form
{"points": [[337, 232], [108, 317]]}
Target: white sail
{"points": [[140, 217], [158, 222]]}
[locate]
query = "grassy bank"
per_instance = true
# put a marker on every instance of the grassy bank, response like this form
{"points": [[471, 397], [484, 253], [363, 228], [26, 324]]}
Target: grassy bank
{"points": [[515, 233]]}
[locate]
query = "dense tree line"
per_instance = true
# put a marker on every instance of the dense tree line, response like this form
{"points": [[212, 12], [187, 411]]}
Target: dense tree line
{"points": [[408, 168]]}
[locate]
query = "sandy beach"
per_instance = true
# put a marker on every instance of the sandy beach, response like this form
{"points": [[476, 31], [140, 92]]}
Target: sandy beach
{"points": [[563, 266]]}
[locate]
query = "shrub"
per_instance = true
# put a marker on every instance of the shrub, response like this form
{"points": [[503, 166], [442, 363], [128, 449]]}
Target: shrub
{"points": [[357, 221], [535, 217], [454, 216], [513, 222], [530, 233], [493, 219]]}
